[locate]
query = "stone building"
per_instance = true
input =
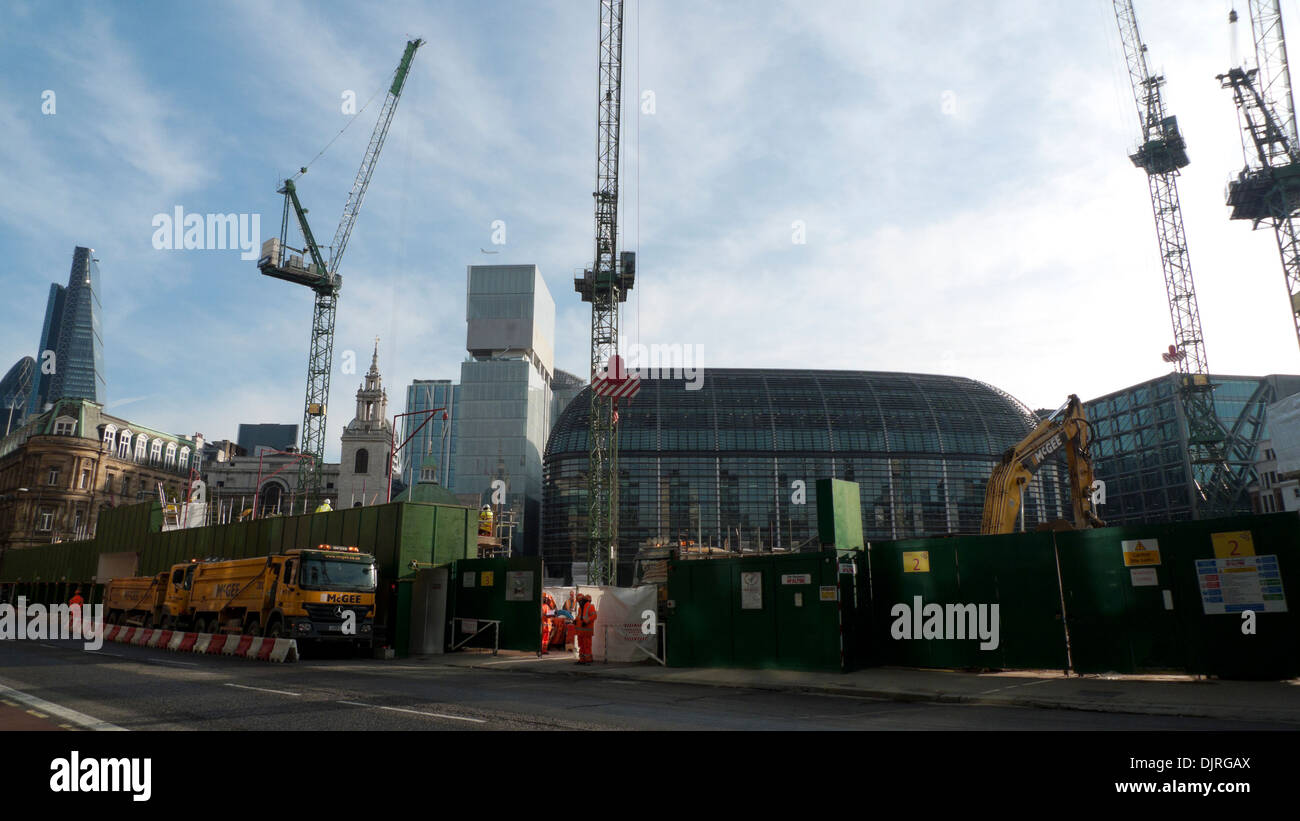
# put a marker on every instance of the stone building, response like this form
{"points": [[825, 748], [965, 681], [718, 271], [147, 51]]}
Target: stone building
{"points": [[64, 466]]}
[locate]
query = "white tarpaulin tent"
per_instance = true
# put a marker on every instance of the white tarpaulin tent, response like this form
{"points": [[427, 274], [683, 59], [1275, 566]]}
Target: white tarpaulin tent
{"points": [[620, 619], [1284, 432]]}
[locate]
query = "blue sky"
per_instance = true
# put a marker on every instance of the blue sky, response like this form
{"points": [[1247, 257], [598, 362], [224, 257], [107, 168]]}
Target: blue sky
{"points": [[961, 170]]}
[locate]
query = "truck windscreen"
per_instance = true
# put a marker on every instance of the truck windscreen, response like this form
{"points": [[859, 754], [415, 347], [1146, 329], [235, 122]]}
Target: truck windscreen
{"points": [[328, 574]]}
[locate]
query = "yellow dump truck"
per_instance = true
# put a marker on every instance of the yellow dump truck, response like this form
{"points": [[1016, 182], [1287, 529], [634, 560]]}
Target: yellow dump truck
{"points": [[326, 593], [136, 600]]}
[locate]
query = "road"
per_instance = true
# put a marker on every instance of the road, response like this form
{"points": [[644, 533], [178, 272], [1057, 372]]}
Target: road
{"points": [[137, 688]]}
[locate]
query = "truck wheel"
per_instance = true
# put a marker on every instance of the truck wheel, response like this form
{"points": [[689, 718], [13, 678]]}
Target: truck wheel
{"points": [[253, 628], [168, 623], [148, 622], [277, 630], [200, 625], [114, 617]]}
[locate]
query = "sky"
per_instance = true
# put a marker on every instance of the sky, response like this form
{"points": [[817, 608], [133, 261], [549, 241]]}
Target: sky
{"points": [[930, 187]]}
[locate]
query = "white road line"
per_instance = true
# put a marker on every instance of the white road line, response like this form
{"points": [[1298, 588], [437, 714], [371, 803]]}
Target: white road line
{"points": [[65, 713], [102, 653], [521, 661], [263, 689], [169, 661], [416, 712]]}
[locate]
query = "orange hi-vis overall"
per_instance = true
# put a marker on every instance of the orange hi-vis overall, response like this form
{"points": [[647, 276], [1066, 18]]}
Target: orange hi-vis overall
{"points": [[585, 626], [548, 620]]}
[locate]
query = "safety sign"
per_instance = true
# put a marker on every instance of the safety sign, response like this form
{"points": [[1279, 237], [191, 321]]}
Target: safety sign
{"points": [[916, 561], [1245, 583], [1140, 552]]}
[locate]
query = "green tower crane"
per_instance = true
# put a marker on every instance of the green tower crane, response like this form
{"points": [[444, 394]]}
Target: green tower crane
{"points": [[322, 276]]}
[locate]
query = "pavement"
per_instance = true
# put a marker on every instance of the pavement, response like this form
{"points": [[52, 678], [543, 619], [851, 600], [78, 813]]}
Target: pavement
{"points": [[1276, 702]]}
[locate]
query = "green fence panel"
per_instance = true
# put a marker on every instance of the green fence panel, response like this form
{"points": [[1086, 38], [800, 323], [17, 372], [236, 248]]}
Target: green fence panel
{"points": [[318, 523], [1018, 574], [1120, 620], [352, 526], [334, 528], [905, 576], [504, 590]]}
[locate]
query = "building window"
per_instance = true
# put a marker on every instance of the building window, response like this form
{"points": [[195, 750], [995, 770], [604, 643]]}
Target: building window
{"points": [[185, 458], [124, 445], [171, 454], [155, 452], [141, 447], [64, 426], [110, 437], [362, 464], [84, 481], [54, 477], [126, 486], [76, 522], [46, 521]]}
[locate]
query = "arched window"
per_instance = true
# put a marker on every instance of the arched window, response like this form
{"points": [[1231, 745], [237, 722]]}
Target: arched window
{"points": [[363, 462], [171, 454], [141, 447], [124, 445], [110, 437], [185, 458], [155, 451]]}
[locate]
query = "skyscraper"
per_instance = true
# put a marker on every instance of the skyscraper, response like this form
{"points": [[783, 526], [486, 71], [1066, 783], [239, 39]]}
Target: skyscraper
{"points": [[70, 360], [14, 390], [434, 445], [504, 401]]}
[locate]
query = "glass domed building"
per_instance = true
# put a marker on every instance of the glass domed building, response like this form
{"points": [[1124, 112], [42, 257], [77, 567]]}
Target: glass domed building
{"points": [[734, 464]]}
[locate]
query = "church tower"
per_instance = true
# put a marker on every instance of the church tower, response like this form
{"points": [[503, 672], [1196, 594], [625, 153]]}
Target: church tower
{"points": [[367, 442]]}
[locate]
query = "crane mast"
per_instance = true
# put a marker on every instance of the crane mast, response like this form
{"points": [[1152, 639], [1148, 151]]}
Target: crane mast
{"points": [[323, 278], [1267, 190], [605, 285], [1161, 153]]}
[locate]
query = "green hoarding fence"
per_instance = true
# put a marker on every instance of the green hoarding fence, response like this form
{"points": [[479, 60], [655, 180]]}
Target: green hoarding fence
{"points": [[508, 591], [773, 611], [958, 581], [1172, 597]]}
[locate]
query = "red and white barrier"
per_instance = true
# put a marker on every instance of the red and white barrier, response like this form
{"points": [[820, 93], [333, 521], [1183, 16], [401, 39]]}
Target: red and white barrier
{"points": [[247, 647]]}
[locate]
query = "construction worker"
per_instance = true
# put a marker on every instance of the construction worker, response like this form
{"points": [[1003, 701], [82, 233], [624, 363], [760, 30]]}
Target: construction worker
{"points": [[585, 626], [548, 620], [485, 521], [74, 607], [324, 507], [570, 607]]}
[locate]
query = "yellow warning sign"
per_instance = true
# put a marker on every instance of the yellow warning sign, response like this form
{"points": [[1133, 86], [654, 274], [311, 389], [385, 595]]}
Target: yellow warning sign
{"points": [[485, 578], [1141, 552], [916, 561], [1234, 544]]}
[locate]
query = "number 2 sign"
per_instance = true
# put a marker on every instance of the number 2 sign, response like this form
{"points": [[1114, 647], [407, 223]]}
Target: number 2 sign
{"points": [[1233, 545], [916, 561]]}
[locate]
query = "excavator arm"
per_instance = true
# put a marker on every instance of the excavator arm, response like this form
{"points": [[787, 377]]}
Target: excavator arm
{"points": [[1066, 428]]}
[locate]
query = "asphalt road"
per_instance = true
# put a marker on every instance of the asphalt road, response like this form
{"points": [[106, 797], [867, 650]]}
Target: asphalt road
{"points": [[137, 688]]}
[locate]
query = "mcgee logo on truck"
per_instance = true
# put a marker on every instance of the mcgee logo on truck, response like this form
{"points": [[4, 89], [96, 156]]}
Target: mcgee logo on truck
{"points": [[341, 598]]}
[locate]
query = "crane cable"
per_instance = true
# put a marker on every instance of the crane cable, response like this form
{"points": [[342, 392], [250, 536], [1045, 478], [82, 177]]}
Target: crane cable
{"points": [[353, 119]]}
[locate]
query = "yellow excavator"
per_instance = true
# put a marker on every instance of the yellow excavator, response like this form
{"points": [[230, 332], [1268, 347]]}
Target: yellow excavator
{"points": [[1066, 428]]}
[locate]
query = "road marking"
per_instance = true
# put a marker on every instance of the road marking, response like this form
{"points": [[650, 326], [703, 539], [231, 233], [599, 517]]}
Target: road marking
{"points": [[1014, 686], [65, 713], [102, 653], [521, 661], [37, 713], [416, 712], [169, 661], [51, 646], [263, 689]]}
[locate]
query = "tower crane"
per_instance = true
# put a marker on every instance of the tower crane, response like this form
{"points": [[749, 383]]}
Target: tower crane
{"points": [[322, 276], [605, 285], [1161, 153], [1267, 190]]}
